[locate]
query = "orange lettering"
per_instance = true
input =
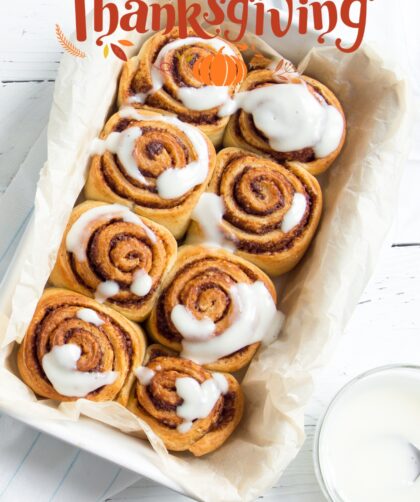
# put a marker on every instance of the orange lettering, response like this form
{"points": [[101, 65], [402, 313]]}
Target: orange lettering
{"points": [[157, 16], [275, 20], [80, 10], [140, 14], [135, 20], [360, 24], [319, 21], [99, 9], [241, 21], [187, 17], [303, 18]]}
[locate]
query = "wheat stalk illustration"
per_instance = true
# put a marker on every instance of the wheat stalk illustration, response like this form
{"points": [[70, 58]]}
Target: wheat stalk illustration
{"points": [[66, 44], [285, 71]]}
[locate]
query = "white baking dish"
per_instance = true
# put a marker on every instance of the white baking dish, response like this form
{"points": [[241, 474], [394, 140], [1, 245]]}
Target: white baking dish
{"points": [[86, 433]]}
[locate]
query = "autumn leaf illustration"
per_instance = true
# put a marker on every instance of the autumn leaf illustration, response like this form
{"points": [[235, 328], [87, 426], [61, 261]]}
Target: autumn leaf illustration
{"points": [[126, 43], [66, 44], [242, 47], [118, 52]]}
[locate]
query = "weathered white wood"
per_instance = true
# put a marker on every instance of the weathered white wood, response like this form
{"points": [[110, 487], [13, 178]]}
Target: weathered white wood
{"points": [[29, 49], [24, 114]]}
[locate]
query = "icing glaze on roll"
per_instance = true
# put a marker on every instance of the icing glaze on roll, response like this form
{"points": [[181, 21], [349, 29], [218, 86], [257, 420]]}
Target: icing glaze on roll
{"points": [[144, 375], [189, 326], [60, 366], [171, 183], [123, 145], [208, 213], [79, 232], [142, 283], [75, 348], [185, 75], [201, 287], [165, 144], [291, 117], [259, 209], [295, 214], [89, 315], [198, 399], [188, 407], [115, 256], [255, 319], [202, 98], [105, 290]]}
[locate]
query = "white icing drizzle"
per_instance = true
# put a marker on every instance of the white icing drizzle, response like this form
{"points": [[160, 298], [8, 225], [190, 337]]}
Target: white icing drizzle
{"points": [[295, 214], [204, 98], [197, 99], [333, 132], [255, 319], [90, 316], [174, 182], [60, 366], [142, 283], [106, 290], [208, 213], [221, 381], [78, 235], [190, 327], [140, 98], [291, 117], [144, 375], [123, 145], [184, 427], [198, 400]]}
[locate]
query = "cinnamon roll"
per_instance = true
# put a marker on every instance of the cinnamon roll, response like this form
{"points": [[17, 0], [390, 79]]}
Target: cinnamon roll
{"points": [[215, 309], [156, 350], [267, 213], [75, 347], [164, 76], [153, 163], [292, 118], [113, 255], [188, 407]]}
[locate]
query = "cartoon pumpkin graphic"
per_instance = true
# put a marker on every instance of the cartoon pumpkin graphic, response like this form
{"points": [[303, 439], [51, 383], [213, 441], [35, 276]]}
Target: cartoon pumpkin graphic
{"points": [[219, 69]]}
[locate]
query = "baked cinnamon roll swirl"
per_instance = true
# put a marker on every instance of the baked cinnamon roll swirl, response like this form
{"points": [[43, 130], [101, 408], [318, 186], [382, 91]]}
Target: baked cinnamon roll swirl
{"points": [[75, 347], [293, 119], [215, 309], [265, 212], [164, 76], [152, 163], [188, 407], [113, 255]]}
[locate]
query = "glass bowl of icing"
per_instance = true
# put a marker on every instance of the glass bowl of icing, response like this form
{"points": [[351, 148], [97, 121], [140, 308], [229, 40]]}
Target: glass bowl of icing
{"points": [[367, 445]]}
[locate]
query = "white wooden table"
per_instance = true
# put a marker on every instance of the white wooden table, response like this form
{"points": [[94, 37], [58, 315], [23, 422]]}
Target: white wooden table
{"points": [[384, 329]]}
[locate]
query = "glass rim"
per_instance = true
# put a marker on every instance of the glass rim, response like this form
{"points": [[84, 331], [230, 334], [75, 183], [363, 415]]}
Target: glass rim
{"points": [[333, 497]]}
